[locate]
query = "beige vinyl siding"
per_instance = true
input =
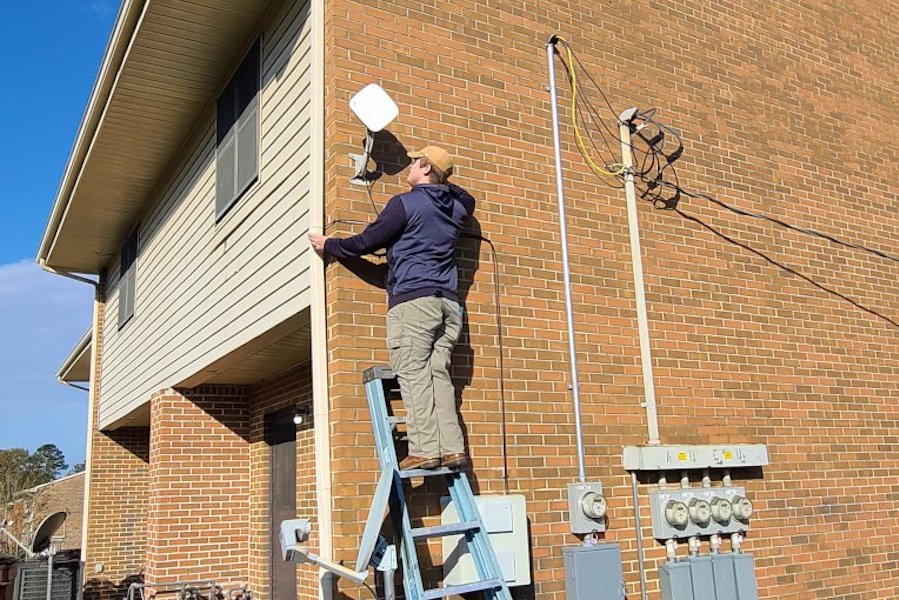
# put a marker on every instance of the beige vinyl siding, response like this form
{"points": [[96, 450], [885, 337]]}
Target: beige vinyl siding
{"points": [[204, 289]]}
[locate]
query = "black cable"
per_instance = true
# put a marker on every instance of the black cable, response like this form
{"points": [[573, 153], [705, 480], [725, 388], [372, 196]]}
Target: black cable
{"points": [[368, 186], [805, 230], [786, 268], [499, 339]]}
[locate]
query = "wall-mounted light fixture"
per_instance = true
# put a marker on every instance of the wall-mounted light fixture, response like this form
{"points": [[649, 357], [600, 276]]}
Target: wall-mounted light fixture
{"points": [[301, 415]]}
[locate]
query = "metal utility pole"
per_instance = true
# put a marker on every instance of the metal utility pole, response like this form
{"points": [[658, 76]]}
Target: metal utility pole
{"points": [[557, 152], [652, 421]]}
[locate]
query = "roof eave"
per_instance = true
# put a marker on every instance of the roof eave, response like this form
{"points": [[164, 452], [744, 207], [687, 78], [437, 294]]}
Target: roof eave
{"points": [[122, 33], [72, 369]]}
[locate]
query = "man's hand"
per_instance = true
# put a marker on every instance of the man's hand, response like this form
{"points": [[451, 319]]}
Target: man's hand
{"points": [[318, 242]]}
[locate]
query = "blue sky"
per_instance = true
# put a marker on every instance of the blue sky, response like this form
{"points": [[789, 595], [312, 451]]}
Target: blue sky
{"points": [[51, 52]]}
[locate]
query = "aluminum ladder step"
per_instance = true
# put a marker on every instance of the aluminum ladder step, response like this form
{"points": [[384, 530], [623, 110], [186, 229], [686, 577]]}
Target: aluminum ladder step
{"points": [[465, 588], [427, 472], [423, 533]]}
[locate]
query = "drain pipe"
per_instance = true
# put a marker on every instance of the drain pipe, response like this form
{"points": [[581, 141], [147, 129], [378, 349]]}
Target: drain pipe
{"points": [[91, 389], [641, 559], [569, 311], [321, 404], [43, 264]]}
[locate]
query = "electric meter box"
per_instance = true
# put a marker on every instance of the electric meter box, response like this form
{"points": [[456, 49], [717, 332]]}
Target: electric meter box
{"points": [[586, 508], [506, 522], [593, 572], [663, 529]]}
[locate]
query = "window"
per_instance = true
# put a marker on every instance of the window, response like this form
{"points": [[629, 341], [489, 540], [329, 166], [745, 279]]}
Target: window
{"points": [[128, 272], [237, 134]]}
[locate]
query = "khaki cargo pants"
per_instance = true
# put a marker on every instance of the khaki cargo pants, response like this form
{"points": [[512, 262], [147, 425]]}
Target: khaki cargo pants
{"points": [[421, 334]]}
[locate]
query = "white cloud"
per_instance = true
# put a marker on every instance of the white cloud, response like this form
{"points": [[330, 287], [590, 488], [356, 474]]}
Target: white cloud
{"points": [[105, 10], [42, 317]]}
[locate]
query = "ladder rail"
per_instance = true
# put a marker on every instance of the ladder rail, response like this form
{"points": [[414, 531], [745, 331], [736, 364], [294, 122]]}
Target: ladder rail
{"points": [[478, 541], [492, 582]]}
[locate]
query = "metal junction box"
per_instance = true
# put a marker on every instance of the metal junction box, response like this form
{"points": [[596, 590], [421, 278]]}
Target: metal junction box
{"points": [[712, 577], [505, 519], [593, 572], [677, 458]]}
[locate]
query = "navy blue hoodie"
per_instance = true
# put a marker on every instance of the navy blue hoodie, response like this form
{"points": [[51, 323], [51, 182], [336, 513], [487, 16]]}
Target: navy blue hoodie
{"points": [[419, 229]]}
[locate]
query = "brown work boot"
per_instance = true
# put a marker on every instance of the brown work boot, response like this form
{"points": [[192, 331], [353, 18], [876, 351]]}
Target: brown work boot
{"points": [[419, 462], [451, 461]]}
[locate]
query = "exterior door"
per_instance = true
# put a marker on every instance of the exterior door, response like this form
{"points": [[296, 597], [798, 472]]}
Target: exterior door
{"points": [[281, 436]]}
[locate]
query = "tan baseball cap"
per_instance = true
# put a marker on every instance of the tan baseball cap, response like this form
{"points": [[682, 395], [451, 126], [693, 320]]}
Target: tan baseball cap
{"points": [[437, 156]]}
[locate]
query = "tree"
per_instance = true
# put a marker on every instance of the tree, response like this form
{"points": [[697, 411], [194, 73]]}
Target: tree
{"points": [[47, 462]]}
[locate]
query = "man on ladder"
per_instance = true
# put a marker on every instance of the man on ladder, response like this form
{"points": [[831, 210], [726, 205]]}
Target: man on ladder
{"points": [[420, 230]]}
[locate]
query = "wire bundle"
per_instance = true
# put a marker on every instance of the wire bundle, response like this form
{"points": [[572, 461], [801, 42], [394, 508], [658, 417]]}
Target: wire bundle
{"points": [[657, 176]]}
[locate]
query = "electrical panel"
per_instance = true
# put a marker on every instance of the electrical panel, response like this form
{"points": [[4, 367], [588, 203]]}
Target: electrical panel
{"points": [[680, 513], [593, 572], [506, 522], [586, 508], [716, 576]]}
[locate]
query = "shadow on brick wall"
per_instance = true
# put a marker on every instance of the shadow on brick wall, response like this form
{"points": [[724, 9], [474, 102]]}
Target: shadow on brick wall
{"points": [[135, 440], [105, 589], [227, 404]]}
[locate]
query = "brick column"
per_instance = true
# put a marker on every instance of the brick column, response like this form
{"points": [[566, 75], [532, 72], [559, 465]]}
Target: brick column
{"points": [[198, 518]]}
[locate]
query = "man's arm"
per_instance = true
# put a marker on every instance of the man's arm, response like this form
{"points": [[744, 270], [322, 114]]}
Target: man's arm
{"points": [[379, 234]]}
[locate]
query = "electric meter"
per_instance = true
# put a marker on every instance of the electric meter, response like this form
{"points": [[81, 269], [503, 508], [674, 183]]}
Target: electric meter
{"points": [[594, 505], [676, 513], [742, 508], [722, 510], [700, 511]]}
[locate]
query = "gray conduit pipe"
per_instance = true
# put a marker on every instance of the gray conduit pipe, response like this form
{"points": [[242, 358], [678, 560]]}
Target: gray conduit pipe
{"points": [[569, 311], [641, 561]]}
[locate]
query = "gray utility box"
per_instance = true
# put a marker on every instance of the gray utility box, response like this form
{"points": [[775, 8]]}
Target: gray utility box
{"points": [[593, 572], [713, 577]]}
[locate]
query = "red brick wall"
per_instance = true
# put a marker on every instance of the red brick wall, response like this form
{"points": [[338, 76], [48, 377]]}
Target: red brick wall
{"points": [[117, 519], [62, 495], [290, 389], [786, 110], [198, 494]]}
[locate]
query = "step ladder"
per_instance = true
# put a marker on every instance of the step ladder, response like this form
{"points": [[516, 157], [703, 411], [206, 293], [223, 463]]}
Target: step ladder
{"points": [[390, 486]]}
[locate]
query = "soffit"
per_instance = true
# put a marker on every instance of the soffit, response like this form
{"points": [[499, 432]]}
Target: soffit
{"points": [[77, 366], [178, 59]]}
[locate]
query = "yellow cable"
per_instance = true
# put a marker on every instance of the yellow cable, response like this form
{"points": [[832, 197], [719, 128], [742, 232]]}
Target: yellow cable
{"points": [[572, 77]]}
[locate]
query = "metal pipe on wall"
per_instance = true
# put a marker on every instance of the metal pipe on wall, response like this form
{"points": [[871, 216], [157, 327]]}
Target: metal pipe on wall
{"points": [[627, 159], [557, 153], [641, 560]]}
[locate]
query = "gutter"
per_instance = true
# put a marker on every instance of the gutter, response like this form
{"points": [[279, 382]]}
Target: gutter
{"points": [[92, 402], [119, 41], [319, 331]]}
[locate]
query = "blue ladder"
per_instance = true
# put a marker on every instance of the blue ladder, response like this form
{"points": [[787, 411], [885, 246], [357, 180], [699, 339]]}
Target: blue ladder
{"points": [[492, 583]]}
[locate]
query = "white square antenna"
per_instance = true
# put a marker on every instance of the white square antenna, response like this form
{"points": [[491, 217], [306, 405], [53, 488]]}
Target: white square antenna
{"points": [[374, 107]]}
